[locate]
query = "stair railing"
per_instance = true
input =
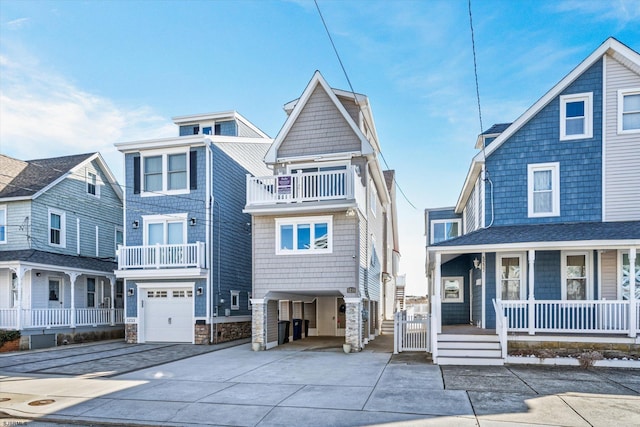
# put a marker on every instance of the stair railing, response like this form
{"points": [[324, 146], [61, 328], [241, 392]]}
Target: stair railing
{"points": [[501, 327]]}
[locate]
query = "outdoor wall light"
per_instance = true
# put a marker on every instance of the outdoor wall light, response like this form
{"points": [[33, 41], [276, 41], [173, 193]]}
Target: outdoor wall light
{"points": [[221, 300], [351, 212], [135, 224], [131, 292], [192, 222], [199, 291], [38, 274], [477, 263]]}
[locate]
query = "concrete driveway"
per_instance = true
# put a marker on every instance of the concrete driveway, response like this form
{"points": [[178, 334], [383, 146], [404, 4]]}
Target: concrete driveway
{"points": [[319, 385]]}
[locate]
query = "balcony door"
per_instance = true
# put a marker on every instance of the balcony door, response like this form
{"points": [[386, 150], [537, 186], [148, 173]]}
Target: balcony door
{"points": [[320, 181], [164, 236], [165, 233]]}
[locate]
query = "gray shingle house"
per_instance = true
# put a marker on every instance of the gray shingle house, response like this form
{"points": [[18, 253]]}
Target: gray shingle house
{"points": [[324, 235], [60, 224], [541, 246]]}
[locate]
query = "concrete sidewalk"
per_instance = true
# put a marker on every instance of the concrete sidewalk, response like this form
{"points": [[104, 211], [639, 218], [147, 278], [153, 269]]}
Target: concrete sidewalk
{"points": [[322, 386]]}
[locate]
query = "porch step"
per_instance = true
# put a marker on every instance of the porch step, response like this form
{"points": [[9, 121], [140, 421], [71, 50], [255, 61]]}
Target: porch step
{"points": [[387, 327], [456, 349]]}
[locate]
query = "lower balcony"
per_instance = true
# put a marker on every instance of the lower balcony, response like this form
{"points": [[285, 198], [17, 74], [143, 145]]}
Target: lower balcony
{"points": [[187, 255], [25, 318]]}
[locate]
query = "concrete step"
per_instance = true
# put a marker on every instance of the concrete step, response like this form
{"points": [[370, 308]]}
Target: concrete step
{"points": [[467, 338], [469, 353], [476, 361]]}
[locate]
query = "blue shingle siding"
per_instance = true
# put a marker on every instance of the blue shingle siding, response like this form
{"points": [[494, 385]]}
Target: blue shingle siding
{"points": [[234, 253], [131, 300], [228, 128], [547, 276], [490, 289], [456, 313], [200, 301], [538, 141]]}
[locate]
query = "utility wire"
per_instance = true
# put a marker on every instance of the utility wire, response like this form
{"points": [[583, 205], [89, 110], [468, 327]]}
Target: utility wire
{"points": [[475, 69], [355, 97]]}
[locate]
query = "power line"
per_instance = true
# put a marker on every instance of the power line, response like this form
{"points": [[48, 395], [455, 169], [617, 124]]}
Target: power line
{"points": [[475, 68], [355, 97]]}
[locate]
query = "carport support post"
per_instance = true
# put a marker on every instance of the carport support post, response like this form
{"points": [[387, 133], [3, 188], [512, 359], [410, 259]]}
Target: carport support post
{"points": [[353, 320], [258, 321]]}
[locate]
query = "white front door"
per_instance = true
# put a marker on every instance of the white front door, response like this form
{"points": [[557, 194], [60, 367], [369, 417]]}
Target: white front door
{"points": [[326, 316], [168, 315], [55, 293]]}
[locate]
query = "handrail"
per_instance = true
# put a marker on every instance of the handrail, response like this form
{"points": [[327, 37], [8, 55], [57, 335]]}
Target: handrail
{"points": [[501, 327]]}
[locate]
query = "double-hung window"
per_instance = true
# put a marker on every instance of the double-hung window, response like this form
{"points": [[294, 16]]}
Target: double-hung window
{"points": [[444, 229], [92, 184], [576, 116], [166, 173], [544, 189], [629, 110], [511, 277], [57, 228], [3, 224], [575, 276], [304, 235]]}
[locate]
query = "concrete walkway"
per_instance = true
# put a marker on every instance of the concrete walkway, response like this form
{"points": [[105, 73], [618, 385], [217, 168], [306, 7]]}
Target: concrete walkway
{"points": [[319, 385]]}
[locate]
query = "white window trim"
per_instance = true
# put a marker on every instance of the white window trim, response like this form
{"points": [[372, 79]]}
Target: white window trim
{"points": [[523, 273], [460, 279], [373, 198], [63, 228], [621, 95], [163, 219], [235, 306], [294, 167], [115, 237], [3, 217], [444, 221], [97, 184], [589, 273], [555, 188], [305, 220], [165, 173], [95, 292], [587, 97]]}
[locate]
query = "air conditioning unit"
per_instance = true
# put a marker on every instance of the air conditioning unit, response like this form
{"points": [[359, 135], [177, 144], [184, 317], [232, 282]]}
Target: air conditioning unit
{"points": [[106, 302]]}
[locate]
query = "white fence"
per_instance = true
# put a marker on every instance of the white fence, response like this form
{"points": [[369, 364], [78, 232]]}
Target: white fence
{"points": [[411, 332]]}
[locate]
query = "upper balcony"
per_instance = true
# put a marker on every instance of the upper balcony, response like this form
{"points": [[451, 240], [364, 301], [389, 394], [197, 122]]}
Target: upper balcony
{"points": [[158, 259], [306, 191]]}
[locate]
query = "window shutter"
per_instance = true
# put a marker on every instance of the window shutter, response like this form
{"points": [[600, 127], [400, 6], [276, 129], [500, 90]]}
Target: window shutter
{"points": [[136, 175], [193, 170]]}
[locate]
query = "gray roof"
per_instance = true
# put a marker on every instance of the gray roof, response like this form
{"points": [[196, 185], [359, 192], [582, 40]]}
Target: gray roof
{"points": [[389, 176], [59, 260], [497, 128], [25, 178], [566, 232], [249, 155]]}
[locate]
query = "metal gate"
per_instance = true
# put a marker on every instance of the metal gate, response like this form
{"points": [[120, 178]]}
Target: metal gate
{"points": [[411, 332]]}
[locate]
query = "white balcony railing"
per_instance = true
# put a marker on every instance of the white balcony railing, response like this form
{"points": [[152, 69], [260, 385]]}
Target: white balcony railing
{"points": [[302, 187], [162, 256], [59, 317], [610, 317]]}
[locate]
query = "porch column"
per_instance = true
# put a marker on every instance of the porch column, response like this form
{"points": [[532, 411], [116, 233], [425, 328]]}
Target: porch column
{"points": [[72, 278], [353, 320], [436, 307], [531, 301], [258, 322], [112, 303], [19, 272], [632, 294]]}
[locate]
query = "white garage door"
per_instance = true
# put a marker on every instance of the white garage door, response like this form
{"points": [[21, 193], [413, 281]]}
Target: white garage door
{"points": [[168, 315]]}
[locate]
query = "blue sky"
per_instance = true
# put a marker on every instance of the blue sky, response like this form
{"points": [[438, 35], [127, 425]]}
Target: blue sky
{"points": [[78, 76]]}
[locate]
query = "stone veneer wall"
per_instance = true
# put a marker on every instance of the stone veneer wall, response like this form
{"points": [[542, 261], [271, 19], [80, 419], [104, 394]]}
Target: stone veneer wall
{"points": [[202, 334], [131, 333], [89, 336], [224, 332]]}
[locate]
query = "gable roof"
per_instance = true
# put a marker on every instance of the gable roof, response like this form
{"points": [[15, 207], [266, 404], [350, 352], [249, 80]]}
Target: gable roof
{"points": [[366, 147], [28, 179], [611, 46]]}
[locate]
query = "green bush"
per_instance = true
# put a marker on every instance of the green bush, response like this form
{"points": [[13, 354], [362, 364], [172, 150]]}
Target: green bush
{"points": [[6, 336]]}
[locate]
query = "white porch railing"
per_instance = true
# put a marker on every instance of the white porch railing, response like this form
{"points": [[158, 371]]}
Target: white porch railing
{"points": [[411, 333], [162, 256], [608, 317], [501, 328], [305, 187], [59, 317]]}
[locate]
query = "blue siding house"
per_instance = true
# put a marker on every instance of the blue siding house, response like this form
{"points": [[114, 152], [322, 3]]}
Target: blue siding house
{"points": [[542, 241], [186, 258], [60, 222]]}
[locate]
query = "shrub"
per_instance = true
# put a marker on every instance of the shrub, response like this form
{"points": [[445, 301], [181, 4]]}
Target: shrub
{"points": [[6, 336]]}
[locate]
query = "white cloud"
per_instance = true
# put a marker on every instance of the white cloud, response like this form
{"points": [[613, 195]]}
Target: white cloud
{"points": [[44, 115], [623, 11], [16, 24]]}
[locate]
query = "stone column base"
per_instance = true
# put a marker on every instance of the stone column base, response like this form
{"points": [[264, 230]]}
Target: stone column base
{"points": [[202, 334], [131, 333]]}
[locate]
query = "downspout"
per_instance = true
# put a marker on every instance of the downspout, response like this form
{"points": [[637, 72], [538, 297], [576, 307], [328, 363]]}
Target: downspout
{"points": [[209, 222]]}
